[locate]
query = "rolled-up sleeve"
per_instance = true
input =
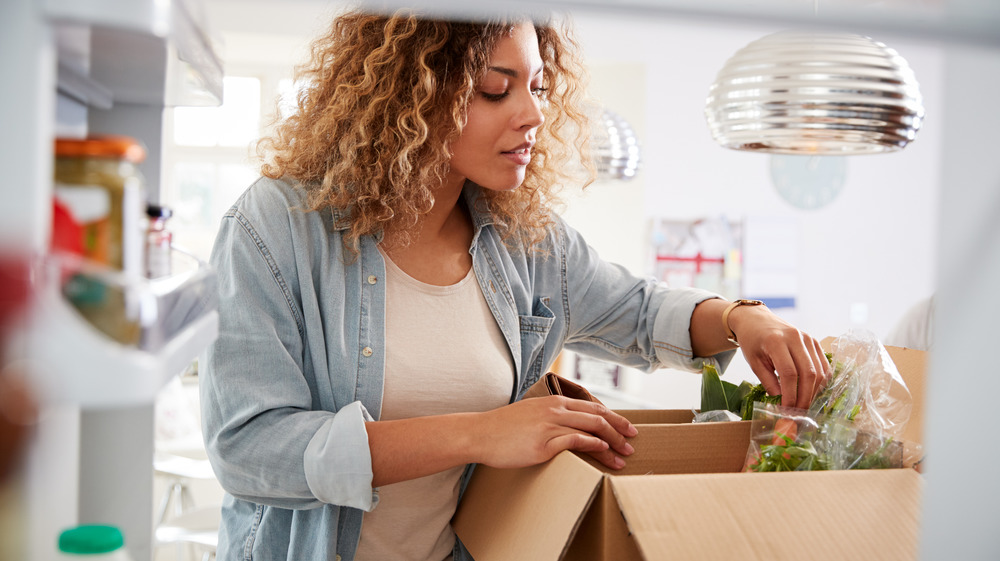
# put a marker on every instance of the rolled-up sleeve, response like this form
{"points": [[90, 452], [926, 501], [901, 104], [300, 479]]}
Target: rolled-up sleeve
{"points": [[338, 460], [672, 330]]}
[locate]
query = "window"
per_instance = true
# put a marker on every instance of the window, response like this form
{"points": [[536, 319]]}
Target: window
{"points": [[208, 158], [235, 123]]}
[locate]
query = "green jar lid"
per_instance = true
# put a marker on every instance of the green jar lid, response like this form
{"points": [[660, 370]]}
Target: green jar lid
{"points": [[91, 539]]}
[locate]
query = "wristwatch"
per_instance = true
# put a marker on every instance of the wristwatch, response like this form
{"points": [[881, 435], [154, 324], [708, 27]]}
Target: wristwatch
{"points": [[725, 316]]}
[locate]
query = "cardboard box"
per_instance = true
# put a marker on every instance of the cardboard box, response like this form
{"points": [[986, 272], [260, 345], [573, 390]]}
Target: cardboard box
{"points": [[912, 366], [681, 496]]}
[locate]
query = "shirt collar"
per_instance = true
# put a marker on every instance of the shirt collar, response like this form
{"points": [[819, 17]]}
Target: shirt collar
{"points": [[341, 217], [475, 201], [478, 205]]}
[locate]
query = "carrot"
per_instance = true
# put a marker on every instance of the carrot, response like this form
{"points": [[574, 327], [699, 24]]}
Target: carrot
{"points": [[785, 431]]}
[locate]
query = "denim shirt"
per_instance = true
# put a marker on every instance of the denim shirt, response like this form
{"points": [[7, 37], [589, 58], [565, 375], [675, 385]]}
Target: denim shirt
{"points": [[297, 368]]}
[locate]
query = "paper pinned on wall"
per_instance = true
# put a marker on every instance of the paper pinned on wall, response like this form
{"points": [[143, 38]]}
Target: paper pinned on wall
{"points": [[703, 253]]}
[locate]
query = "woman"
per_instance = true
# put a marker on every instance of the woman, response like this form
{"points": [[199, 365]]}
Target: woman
{"points": [[396, 281]]}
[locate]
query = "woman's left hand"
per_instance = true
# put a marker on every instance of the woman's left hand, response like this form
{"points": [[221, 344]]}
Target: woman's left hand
{"points": [[786, 360]]}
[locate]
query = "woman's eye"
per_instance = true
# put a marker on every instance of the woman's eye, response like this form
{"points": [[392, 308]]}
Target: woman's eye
{"points": [[496, 97]]}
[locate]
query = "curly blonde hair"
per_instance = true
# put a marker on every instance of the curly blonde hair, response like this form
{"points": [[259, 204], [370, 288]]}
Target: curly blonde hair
{"points": [[386, 96]]}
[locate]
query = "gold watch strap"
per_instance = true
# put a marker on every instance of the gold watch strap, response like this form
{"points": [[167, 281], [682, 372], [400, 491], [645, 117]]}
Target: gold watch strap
{"points": [[725, 316]]}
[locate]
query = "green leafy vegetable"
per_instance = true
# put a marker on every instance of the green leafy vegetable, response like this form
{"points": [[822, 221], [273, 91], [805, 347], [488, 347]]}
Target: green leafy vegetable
{"points": [[757, 395], [719, 395], [736, 394], [713, 392], [789, 456]]}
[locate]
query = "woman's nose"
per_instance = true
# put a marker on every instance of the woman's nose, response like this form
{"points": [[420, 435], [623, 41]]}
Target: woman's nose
{"points": [[530, 112]]}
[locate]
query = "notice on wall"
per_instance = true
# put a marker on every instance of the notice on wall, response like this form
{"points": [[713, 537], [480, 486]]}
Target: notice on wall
{"points": [[703, 253]]}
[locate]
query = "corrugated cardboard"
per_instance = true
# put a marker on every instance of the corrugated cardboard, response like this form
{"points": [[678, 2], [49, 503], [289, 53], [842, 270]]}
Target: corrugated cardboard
{"points": [[829, 515], [681, 497], [912, 366]]}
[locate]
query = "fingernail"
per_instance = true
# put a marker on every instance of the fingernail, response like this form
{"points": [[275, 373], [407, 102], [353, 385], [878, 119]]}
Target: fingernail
{"points": [[619, 463], [632, 431], [628, 449]]}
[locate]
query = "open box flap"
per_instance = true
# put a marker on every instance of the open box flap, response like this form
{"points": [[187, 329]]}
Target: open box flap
{"points": [[657, 416], [832, 515], [685, 448], [529, 513], [912, 366]]}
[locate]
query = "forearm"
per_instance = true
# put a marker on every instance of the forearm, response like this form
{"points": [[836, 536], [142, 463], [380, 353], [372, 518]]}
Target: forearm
{"points": [[708, 334], [410, 448], [521, 434]]}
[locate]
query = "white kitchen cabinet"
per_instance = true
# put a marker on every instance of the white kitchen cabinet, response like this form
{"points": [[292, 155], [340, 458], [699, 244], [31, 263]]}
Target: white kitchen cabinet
{"points": [[77, 67]]}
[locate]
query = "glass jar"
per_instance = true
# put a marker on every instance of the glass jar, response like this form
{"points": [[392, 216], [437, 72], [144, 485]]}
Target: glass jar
{"points": [[97, 184], [96, 180], [158, 241]]}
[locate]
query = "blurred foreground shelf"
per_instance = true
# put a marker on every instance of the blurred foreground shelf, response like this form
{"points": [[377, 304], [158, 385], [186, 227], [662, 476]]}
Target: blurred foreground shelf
{"points": [[143, 332]]}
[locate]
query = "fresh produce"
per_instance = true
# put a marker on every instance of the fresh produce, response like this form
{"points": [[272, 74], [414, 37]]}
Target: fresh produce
{"points": [[821, 438], [824, 444], [787, 455], [719, 395]]}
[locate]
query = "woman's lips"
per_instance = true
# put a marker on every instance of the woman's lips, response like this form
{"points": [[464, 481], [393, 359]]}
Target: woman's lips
{"points": [[520, 155]]}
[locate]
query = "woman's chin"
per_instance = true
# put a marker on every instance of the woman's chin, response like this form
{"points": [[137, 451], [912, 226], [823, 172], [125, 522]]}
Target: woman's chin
{"points": [[502, 186]]}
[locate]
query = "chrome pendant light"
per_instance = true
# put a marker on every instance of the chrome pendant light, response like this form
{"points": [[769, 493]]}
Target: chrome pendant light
{"points": [[816, 93], [616, 149]]}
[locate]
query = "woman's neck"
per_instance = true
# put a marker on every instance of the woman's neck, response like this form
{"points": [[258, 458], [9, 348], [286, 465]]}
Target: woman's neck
{"points": [[447, 213], [438, 252]]}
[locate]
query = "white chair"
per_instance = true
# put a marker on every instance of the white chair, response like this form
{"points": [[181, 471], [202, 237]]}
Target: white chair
{"points": [[198, 529], [185, 526], [178, 472]]}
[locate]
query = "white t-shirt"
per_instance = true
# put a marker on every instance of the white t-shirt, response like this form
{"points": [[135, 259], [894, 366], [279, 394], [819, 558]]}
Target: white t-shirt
{"points": [[445, 353]]}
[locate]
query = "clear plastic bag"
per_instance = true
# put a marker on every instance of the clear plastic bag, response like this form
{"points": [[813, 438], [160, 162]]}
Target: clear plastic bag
{"points": [[716, 416], [854, 423], [789, 439], [866, 387]]}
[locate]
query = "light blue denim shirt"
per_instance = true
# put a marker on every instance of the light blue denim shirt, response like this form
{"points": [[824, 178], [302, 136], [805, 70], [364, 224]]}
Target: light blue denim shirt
{"points": [[297, 368]]}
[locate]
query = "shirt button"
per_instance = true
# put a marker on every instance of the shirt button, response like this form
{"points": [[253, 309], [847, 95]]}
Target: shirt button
{"points": [[367, 351], [372, 279]]}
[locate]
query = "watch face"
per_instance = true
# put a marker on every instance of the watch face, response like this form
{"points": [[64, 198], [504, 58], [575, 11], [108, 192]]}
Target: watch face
{"points": [[808, 182]]}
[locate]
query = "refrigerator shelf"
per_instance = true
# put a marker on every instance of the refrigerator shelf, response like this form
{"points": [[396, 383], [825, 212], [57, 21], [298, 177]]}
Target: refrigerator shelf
{"points": [[99, 338]]}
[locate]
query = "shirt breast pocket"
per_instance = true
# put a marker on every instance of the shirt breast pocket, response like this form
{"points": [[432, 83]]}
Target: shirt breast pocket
{"points": [[534, 331]]}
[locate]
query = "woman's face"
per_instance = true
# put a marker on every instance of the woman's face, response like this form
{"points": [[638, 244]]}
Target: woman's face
{"points": [[504, 116]]}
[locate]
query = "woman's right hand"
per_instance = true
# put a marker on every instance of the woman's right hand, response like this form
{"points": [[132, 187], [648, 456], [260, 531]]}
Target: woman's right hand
{"points": [[534, 430]]}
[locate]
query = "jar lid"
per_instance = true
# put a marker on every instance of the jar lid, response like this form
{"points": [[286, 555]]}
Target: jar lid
{"points": [[158, 211], [105, 146], [91, 539]]}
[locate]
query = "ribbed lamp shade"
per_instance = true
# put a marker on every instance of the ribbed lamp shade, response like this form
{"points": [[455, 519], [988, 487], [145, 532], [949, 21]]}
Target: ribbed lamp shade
{"points": [[616, 149], [815, 93]]}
